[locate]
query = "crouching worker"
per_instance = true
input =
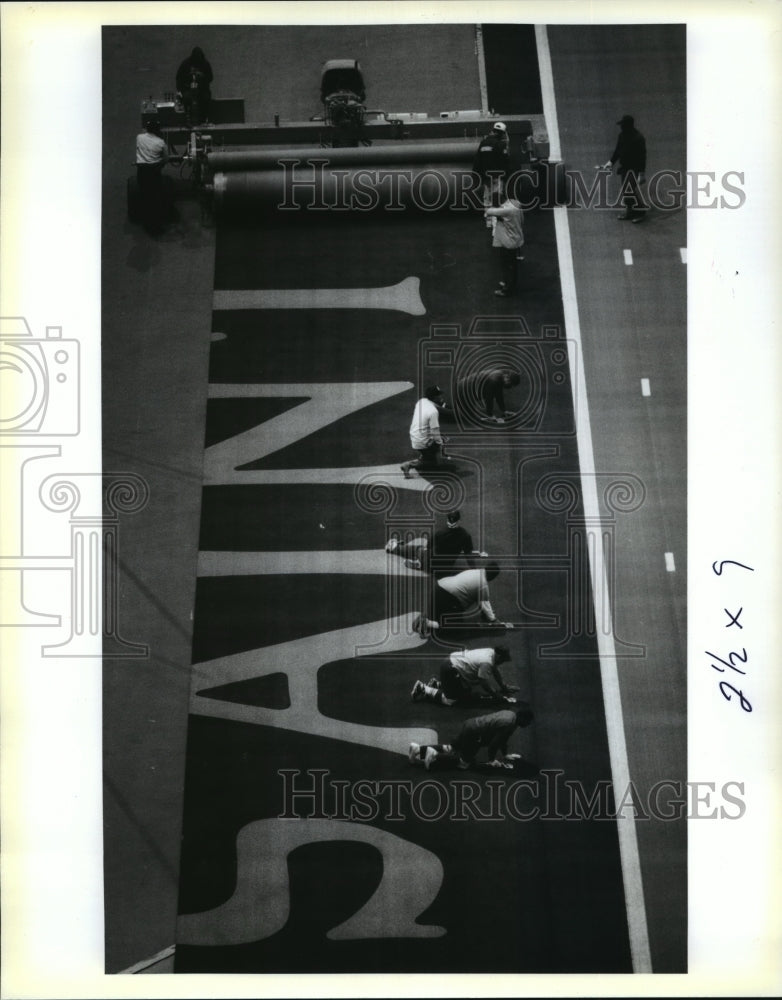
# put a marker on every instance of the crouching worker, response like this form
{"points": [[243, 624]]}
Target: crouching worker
{"points": [[490, 731], [460, 596], [469, 677]]}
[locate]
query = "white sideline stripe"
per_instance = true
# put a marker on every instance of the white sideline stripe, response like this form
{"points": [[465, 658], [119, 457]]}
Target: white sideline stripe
{"points": [[617, 746], [683, 254], [670, 565], [403, 297], [547, 89], [367, 562], [145, 963], [481, 69], [646, 389], [628, 256]]}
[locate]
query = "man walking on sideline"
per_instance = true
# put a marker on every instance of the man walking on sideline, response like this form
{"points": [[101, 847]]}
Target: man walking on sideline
{"points": [[630, 153]]}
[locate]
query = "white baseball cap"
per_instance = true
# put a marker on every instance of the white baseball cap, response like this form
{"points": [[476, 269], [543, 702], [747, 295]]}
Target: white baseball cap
{"points": [[500, 127]]}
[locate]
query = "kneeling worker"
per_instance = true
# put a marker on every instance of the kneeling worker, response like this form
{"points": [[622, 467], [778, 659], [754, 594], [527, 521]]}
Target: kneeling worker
{"points": [[468, 677], [490, 731]]}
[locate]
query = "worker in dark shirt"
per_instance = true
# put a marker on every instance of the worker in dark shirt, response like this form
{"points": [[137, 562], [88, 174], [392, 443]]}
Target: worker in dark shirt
{"points": [[630, 154], [490, 731], [449, 543], [491, 165], [440, 555], [193, 81], [478, 393]]}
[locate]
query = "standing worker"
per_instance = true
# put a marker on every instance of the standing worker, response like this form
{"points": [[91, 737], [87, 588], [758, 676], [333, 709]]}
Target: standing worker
{"points": [[151, 157], [193, 81], [630, 153], [491, 165], [508, 240]]}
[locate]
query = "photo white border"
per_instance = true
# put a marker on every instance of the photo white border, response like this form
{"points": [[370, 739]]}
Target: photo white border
{"points": [[50, 260]]}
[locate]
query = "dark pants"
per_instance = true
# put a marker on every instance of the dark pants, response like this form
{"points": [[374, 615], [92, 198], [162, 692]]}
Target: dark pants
{"points": [[197, 103], [152, 193], [509, 267], [632, 197], [444, 604], [468, 744], [453, 685]]}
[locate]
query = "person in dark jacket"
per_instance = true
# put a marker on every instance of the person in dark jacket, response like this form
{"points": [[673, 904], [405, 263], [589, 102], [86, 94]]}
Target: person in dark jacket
{"points": [[486, 388], [630, 154], [193, 81], [442, 553], [490, 731], [491, 165]]}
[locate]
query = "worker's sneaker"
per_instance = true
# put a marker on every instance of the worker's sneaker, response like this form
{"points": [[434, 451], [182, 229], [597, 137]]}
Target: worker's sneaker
{"points": [[418, 625], [413, 563], [512, 756], [393, 545], [430, 757], [433, 682], [418, 692], [405, 470], [462, 764], [414, 753]]}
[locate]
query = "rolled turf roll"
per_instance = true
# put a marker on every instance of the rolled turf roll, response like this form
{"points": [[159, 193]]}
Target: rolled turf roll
{"points": [[432, 187], [443, 151]]}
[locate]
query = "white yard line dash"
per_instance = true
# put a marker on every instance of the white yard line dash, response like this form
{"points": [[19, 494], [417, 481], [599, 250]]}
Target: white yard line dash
{"points": [[646, 389], [628, 254], [670, 565], [683, 254]]}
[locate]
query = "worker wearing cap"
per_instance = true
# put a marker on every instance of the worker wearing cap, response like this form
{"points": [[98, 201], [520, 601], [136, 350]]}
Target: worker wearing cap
{"points": [[425, 436], [491, 165], [630, 153]]}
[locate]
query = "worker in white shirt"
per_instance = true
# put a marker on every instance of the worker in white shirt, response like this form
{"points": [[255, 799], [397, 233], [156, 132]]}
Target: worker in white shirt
{"points": [[425, 436], [461, 595], [469, 677]]}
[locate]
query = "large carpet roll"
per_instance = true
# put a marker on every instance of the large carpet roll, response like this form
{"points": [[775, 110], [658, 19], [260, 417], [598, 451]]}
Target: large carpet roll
{"points": [[421, 187], [451, 151]]}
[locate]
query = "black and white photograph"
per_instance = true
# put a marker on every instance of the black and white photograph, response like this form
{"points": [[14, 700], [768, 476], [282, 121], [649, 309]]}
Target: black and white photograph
{"points": [[391, 490]]}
